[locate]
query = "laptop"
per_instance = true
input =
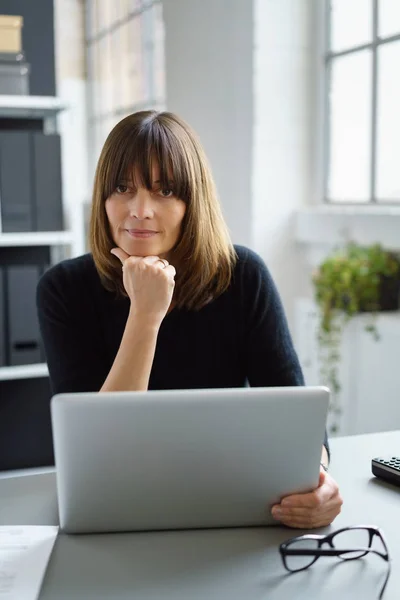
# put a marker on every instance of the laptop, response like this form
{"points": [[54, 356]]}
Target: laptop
{"points": [[157, 460]]}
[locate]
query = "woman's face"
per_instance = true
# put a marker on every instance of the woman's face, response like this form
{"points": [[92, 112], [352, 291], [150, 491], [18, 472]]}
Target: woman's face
{"points": [[143, 222]]}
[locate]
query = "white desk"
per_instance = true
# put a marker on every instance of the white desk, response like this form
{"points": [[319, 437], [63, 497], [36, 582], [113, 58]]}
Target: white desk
{"points": [[232, 564]]}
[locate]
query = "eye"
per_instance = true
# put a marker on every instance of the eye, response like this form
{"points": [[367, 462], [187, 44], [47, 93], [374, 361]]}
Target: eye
{"points": [[121, 188], [166, 193]]}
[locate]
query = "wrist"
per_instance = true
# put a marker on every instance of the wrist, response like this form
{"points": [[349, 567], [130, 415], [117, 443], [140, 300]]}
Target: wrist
{"points": [[144, 321]]}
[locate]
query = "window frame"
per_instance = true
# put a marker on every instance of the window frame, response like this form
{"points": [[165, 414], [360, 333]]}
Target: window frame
{"points": [[143, 10], [328, 58]]}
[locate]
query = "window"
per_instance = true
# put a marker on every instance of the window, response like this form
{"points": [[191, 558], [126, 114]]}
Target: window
{"points": [[362, 61], [125, 61]]}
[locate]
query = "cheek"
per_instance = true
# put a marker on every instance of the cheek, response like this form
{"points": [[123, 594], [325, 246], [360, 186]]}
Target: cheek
{"points": [[179, 214], [109, 209], [113, 211]]}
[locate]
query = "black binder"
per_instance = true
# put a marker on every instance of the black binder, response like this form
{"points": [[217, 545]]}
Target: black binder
{"points": [[46, 160], [24, 335], [3, 361], [16, 181]]}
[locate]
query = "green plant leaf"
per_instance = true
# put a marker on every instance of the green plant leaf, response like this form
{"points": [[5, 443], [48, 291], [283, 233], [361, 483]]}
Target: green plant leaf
{"points": [[346, 282]]}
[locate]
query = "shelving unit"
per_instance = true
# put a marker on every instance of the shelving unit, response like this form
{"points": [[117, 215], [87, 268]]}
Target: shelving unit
{"points": [[30, 107], [45, 108], [23, 372], [36, 238], [38, 228]]}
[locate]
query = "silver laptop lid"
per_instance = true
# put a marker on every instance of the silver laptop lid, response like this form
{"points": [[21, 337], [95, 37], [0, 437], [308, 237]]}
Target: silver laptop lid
{"points": [[184, 459]]}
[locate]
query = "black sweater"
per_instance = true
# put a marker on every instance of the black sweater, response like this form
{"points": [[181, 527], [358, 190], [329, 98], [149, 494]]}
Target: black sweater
{"points": [[240, 337]]}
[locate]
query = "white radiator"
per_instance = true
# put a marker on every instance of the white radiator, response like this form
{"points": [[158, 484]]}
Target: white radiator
{"points": [[369, 371]]}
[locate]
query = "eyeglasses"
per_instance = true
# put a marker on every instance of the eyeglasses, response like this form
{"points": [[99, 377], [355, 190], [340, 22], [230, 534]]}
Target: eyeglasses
{"points": [[348, 543]]}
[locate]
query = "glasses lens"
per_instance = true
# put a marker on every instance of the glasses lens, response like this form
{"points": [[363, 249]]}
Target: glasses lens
{"points": [[298, 562], [378, 544], [351, 540]]}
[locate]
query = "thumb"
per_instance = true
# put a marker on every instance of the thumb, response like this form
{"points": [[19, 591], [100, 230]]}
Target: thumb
{"points": [[119, 253], [322, 476]]}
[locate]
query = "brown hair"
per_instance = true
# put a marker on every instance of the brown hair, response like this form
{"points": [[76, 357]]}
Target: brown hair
{"points": [[204, 252]]}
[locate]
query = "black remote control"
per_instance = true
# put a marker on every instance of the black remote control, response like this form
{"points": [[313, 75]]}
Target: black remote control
{"points": [[387, 468]]}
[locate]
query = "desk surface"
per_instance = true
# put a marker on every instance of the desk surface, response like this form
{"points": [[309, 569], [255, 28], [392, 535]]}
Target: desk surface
{"points": [[231, 564]]}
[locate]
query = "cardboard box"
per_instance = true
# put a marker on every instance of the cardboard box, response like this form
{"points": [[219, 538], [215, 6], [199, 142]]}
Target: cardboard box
{"points": [[11, 33]]}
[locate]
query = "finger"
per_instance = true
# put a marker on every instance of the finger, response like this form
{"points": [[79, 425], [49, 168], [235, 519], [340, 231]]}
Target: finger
{"points": [[162, 263], [170, 270], [119, 253], [333, 504], [322, 476], [309, 517], [310, 522], [152, 260]]}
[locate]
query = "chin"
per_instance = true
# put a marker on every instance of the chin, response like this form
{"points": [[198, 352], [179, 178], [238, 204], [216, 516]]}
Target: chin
{"points": [[140, 249]]}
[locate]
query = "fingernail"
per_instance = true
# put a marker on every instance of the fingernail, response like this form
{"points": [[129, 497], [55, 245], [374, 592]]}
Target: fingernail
{"points": [[286, 502], [276, 512]]}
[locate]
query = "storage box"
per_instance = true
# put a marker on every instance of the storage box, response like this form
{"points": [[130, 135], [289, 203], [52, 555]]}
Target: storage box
{"points": [[10, 33], [14, 78]]}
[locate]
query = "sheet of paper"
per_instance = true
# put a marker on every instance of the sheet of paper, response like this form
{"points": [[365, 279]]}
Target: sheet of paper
{"points": [[24, 554]]}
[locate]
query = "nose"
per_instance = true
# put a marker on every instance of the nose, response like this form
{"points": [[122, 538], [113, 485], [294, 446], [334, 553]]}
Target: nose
{"points": [[141, 205]]}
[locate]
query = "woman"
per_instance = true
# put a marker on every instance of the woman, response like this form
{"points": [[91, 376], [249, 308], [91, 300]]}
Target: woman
{"points": [[164, 300]]}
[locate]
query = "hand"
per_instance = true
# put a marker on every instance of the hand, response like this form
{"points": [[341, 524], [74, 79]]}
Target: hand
{"points": [[314, 509], [149, 282]]}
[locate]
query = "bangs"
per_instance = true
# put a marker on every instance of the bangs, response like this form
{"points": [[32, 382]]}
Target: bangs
{"points": [[133, 152]]}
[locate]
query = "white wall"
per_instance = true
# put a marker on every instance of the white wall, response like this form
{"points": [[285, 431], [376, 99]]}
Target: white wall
{"points": [[209, 56], [283, 107], [241, 73]]}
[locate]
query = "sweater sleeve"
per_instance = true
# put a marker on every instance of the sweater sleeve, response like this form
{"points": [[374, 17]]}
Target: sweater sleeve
{"points": [[271, 359], [72, 344]]}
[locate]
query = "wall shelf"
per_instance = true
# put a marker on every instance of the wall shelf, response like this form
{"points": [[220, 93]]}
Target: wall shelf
{"points": [[23, 372], [30, 107], [36, 238], [337, 225]]}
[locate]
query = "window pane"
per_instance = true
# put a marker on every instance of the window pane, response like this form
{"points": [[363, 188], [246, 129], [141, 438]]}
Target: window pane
{"points": [[91, 17], [389, 18], [350, 128], [127, 7], [159, 66], [126, 62], [125, 91], [351, 23], [148, 53], [107, 12], [100, 16], [388, 123], [95, 81], [105, 99], [115, 57], [136, 69]]}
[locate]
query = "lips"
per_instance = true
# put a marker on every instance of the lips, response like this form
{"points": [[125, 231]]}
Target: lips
{"points": [[141, 233]]}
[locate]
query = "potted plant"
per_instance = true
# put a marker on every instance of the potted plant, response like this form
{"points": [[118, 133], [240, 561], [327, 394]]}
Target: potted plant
{"points": [[353, 279]]}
